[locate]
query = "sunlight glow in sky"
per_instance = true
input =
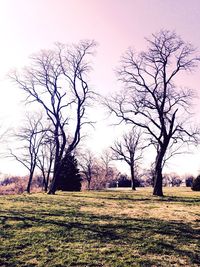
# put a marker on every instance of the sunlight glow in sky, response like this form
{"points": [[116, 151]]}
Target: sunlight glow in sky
{"points": [[28, 26]]}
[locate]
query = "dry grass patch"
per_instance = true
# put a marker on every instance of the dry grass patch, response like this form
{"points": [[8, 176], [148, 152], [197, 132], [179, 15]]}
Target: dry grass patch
{"points": [[173, 207]]}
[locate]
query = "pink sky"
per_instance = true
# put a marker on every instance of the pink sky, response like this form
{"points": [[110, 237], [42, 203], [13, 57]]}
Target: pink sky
{"points": [[27, 26]]}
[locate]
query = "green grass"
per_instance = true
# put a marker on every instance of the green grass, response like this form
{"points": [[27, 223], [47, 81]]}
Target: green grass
{"points": [[113, 228]]}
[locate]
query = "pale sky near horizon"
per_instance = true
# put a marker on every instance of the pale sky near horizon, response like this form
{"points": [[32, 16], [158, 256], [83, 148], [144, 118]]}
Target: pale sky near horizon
{"points": [[26, 26]]}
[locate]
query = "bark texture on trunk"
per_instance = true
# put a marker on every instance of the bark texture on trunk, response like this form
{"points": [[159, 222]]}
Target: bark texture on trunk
{"points": [[157, 190], [89, 185], [53, 186], [158, 179], [132, 178], [28, 189], [54, 182]]}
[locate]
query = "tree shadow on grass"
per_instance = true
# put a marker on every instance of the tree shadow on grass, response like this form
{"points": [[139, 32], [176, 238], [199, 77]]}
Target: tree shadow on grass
{"points": [[174, 199], [148, 236], [124, 197], [116, 198]]}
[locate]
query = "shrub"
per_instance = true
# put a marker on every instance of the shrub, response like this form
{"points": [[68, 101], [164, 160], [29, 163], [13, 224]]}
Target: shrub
{"points": [[9, 180], [196, 184], [189, 181], [124, 181], [17, 185], [171, 179]]}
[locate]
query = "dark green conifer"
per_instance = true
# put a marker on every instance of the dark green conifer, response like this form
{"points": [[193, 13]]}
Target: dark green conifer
{"points": [[69, 176]]}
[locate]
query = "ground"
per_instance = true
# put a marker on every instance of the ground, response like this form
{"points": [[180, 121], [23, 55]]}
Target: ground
{"points": [[107, 228]]}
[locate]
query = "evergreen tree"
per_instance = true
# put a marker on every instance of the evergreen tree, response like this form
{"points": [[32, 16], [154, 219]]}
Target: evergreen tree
{"points": [[196, 184], [69, 176]]}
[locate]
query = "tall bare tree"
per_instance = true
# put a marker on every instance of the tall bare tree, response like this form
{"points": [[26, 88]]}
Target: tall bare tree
{"points": [[151, 99], [31, 135], [57, 81], [129, 149]]}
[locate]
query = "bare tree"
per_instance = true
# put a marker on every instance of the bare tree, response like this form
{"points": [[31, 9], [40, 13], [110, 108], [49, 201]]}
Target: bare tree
{"points": [[129, 149], [57, 81], [45, 158], [96, 171], [31, 136], [88, 164], [151, 100], [106, 159]]}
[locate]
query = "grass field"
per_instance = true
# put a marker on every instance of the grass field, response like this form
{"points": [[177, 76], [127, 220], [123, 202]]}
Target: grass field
{"points": [[110, 228]]}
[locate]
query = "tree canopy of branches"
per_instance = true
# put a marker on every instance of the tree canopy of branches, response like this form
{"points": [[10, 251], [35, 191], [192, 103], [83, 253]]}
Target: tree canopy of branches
{"points": [[129, 150], [151, 100], [57, 81]]}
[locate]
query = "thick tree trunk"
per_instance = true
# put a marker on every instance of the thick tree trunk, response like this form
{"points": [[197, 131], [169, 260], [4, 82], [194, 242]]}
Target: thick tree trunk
{"points": [[44, 182], [158, 179], [57, 163], [48, 175], [157, 190], [28, 189], [89, 184], [54, 182], [53, 186], [56, 175], [47, 183], [132, 177]]}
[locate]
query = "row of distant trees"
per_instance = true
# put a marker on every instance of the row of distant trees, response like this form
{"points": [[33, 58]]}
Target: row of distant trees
{"points": [[151, 102], [98, 181]]}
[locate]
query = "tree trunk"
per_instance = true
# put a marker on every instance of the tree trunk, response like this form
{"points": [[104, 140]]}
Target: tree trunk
{"points": [[28, 189], [89, 184], [47, 183], [158, 179], [54, 182], [57, 162], [44, 182], [53, 185], [132, 177]]}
